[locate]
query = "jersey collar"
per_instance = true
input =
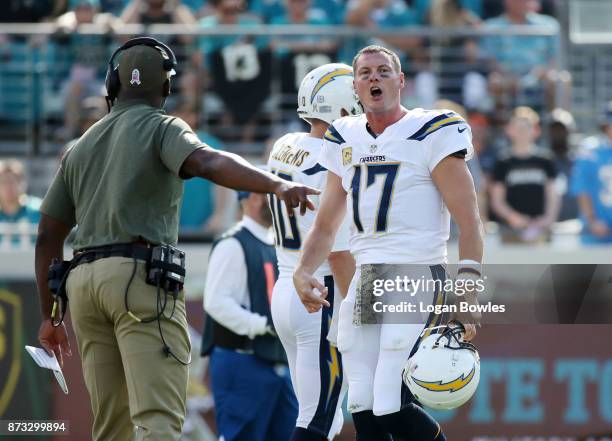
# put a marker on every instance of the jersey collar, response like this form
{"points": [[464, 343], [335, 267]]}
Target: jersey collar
{"points": [[388, 129]]}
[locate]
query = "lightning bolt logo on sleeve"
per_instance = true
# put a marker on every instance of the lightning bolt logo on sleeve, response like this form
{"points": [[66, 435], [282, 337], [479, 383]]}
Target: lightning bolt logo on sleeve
{"points": [[333, 135], [435, 124]]}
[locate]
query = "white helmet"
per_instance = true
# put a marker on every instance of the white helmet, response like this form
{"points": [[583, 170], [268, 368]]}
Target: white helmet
{"points": [[325, 91], [444, 372]]}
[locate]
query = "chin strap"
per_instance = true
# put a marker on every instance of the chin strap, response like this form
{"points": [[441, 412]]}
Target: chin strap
{"points": [[453, 333]]}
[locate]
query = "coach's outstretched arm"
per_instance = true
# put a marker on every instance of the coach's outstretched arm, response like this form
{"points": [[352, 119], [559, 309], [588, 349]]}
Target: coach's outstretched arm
{"points": [[455, 184], [233, 171], [319, 243]]}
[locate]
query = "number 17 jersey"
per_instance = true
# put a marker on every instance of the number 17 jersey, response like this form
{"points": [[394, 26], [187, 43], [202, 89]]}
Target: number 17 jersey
{"points": [[397, 213]]}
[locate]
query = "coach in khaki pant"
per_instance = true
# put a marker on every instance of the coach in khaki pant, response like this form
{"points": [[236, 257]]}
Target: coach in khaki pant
{"points": [[125, 370], [121, 185]]}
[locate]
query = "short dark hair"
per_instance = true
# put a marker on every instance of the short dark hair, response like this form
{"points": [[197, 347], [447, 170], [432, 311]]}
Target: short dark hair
{"points": [[376, 49]]}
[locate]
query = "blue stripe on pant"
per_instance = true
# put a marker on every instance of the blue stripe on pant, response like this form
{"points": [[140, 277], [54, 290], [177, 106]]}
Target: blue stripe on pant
{"points": [[330, 365], [254, 400]]}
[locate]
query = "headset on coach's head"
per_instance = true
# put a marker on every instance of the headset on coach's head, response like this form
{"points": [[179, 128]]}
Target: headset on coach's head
{"points": [[112, 81]]}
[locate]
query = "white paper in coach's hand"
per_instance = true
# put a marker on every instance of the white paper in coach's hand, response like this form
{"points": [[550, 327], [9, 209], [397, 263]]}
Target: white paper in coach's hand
{"points": [[47, 361]]}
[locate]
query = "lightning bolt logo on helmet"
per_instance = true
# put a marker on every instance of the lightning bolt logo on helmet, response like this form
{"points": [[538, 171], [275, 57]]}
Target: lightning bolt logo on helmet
{"points": [[326, 93], [450, 386], [327, 78], [445, 370]]}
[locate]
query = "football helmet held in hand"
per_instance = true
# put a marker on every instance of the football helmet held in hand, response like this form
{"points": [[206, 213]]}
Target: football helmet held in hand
{"points": [[444, 372]]}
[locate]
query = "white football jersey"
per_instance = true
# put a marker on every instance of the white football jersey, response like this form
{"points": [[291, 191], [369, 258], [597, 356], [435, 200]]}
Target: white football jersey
{"points": [[294, 157], [397, 213]]}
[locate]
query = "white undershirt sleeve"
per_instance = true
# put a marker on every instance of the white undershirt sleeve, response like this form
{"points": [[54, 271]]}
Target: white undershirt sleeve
{"points": [[226, 297]]}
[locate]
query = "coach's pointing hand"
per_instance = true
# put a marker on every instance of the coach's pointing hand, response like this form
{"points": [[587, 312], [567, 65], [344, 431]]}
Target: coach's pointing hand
{"points": [[305, 285], [295, 195]]}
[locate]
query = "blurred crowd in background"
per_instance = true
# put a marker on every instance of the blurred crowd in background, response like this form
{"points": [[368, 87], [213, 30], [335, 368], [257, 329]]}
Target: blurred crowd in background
{"points": [[531, 171]]}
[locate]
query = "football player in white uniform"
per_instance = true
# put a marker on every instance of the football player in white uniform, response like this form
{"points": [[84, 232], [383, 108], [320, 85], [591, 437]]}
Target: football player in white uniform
{"points": [[326, 93], [403, 171]]}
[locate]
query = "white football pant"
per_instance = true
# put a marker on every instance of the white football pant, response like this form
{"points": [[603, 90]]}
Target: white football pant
{"points": [[315, 364], [374, 355]]}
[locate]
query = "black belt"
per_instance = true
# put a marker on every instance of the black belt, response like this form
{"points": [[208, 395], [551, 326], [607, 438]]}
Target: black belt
{"points": [[88, 255], [226, 339]]}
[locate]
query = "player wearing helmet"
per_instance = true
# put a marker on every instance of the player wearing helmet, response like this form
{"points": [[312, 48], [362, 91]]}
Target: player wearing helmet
{"points": [[326, 93]]}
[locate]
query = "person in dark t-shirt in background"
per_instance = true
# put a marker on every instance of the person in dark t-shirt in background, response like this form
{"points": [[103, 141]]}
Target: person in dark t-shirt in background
{"points": [[523, 195]]}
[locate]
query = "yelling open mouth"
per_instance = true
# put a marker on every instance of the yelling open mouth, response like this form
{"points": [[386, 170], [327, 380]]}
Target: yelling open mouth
{"points": [[375, 91]]}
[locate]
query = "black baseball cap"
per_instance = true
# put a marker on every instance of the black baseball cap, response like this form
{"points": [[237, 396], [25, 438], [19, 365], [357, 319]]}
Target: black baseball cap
{"points": [[141, 67]]}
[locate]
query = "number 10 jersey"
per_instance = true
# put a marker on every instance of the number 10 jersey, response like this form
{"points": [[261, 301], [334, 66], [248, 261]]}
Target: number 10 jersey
{"points": [[294, 157]]}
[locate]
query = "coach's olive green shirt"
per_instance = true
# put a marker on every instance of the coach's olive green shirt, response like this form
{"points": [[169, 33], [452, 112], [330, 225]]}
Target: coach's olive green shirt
{"points": [[120, 181]]}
